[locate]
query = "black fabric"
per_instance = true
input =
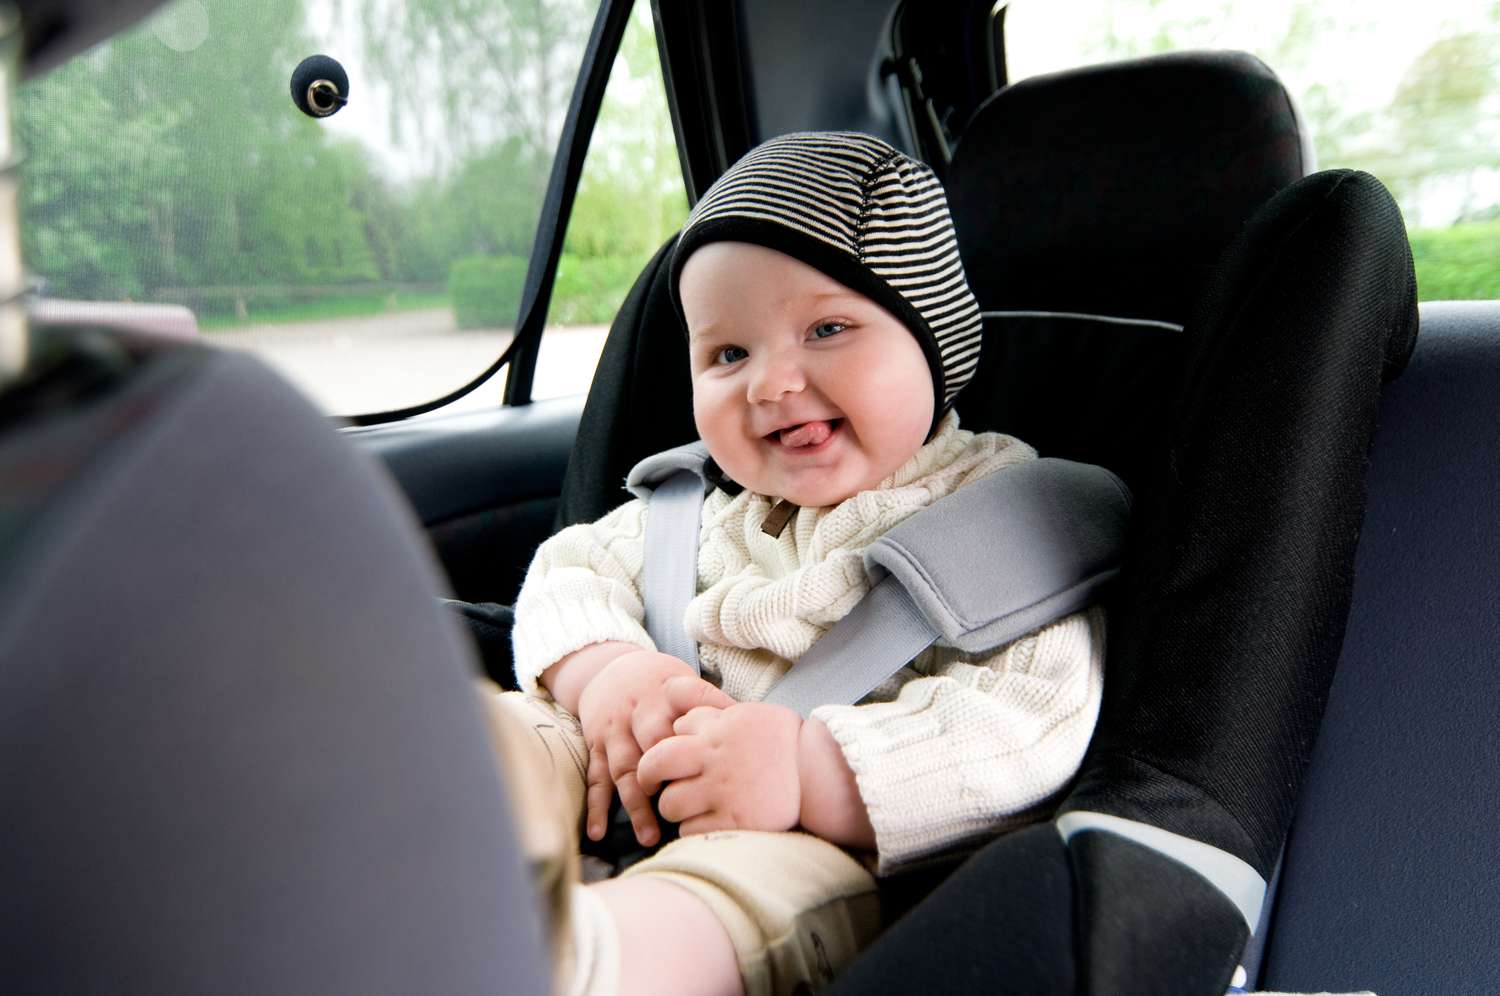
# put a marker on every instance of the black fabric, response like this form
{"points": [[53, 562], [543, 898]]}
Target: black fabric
{"points": [[641, 401], [240, 748], [1001, 923], [1078, 388], [939, 62], [1393, 851], [1223, 647], [1112, 189], [1149, 925], [488, 625]]}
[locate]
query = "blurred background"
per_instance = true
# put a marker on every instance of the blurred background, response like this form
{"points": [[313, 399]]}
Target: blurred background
{"points": [[376, 257]]}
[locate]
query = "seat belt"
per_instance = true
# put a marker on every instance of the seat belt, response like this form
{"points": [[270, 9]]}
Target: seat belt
{"points": [[1053, 532]]}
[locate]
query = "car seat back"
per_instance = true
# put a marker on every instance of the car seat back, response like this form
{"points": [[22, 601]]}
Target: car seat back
{"points": [[240, 748], [1392, 851], [1091, 205]]}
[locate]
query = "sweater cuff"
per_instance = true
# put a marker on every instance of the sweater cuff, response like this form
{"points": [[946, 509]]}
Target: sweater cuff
{"points": [[924, 800], [561, 621], [888, 746]]}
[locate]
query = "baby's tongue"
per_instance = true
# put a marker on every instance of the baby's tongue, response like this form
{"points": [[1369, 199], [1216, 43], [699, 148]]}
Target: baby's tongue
{"points": [[806, 434]]}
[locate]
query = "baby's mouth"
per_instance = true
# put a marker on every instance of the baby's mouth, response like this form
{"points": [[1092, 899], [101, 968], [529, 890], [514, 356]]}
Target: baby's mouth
{"points": [[806, 434]]}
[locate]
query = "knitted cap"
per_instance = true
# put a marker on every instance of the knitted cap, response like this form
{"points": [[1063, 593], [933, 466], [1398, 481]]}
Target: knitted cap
{"points": [[866, 215]]}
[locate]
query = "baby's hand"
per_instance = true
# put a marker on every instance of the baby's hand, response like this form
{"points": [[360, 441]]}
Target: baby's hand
{"points": [[732, 768], [625, 709]]}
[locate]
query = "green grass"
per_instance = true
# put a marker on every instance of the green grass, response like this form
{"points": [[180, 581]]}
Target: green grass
{"points": [[1461, 263], [331, 306]]}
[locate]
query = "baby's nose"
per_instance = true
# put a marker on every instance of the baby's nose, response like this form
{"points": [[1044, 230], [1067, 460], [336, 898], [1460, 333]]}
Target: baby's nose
{"points": [[775, 376]]}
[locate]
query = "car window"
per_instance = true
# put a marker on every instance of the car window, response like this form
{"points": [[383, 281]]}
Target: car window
{"points": [[631, 199], [374, 256], [1408, 93]]}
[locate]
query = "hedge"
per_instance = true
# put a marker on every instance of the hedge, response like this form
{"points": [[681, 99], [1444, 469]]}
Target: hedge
{"points": [[486, 290], [589, 290], [1458, 264]]}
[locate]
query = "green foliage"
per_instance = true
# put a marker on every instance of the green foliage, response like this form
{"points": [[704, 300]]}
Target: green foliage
{"points": [[589, 290], [143, 184], [486, 290], [630, 196], [1458, 263]]}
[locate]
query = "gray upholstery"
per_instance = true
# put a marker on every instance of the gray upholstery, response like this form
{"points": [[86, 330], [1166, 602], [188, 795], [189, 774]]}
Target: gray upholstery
{"points": [[240, 748], [1391, 880]]}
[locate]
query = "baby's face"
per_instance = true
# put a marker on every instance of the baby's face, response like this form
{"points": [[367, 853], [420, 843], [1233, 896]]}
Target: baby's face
{"points": [[802, 388]]}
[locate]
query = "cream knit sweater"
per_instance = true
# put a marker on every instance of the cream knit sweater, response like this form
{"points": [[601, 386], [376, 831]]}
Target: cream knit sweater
{"points": [[947, 752]]}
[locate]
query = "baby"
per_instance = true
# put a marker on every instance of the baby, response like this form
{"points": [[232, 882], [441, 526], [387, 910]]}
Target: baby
{"points": [[830, 327]]}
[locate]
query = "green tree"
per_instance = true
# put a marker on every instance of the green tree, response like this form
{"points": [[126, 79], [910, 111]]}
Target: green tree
{"points": [[630, 195], [474, 72], [1446, 130], [148, 171]]}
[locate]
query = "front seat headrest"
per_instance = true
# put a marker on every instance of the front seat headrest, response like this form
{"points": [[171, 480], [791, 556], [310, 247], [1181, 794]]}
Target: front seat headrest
{"points": [[1113, 188]]}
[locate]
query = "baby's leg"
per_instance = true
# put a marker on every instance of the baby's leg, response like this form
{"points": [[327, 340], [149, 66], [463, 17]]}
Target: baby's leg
{"points": [[542, 758], [599, 934], [794, 909], [668, 941], [527, 730]]}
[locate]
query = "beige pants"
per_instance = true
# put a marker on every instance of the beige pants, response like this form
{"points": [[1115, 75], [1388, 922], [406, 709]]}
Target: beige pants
{"points": [[796, 907]]}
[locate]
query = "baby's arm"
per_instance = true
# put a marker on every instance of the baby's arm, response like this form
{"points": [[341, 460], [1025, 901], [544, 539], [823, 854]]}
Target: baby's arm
{"points": [[580, 637], [831, 805], [581, 589], [978, 746]]}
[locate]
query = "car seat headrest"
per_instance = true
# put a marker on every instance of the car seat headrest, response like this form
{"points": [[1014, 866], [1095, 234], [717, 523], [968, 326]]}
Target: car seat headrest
{"points": [[1112, 189]]}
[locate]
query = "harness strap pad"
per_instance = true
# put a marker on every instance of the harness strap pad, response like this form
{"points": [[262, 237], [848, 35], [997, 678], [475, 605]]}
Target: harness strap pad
{"points": [[1011, 552]]}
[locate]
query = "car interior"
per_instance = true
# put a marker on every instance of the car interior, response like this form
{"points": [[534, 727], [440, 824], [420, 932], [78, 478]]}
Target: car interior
{"points": [[239, 745]]}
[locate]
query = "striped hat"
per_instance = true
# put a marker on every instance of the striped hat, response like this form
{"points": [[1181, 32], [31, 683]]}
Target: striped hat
{"points": [[866, 215]]}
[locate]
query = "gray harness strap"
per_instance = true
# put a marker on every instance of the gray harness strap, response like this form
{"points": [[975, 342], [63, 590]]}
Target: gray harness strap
{"points": [[670, 574], [672, 481], [979, 568], [878, 637]]}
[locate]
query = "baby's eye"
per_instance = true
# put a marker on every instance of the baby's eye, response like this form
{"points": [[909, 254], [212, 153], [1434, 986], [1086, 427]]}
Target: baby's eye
{"points": [[823, 330], [730, 354]]}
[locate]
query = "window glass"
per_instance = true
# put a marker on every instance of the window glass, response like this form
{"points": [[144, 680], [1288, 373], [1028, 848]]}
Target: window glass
{"points": [[375, 256], [1408, 93], [631, 199]]}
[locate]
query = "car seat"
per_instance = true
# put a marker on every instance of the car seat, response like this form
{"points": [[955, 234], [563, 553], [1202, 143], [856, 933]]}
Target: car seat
{"points": [[1229, 372], [1244, 435]]}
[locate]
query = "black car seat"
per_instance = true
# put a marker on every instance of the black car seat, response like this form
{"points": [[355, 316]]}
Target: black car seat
{"points": [[1230, 373], [240, 749], [1235, 389]]}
